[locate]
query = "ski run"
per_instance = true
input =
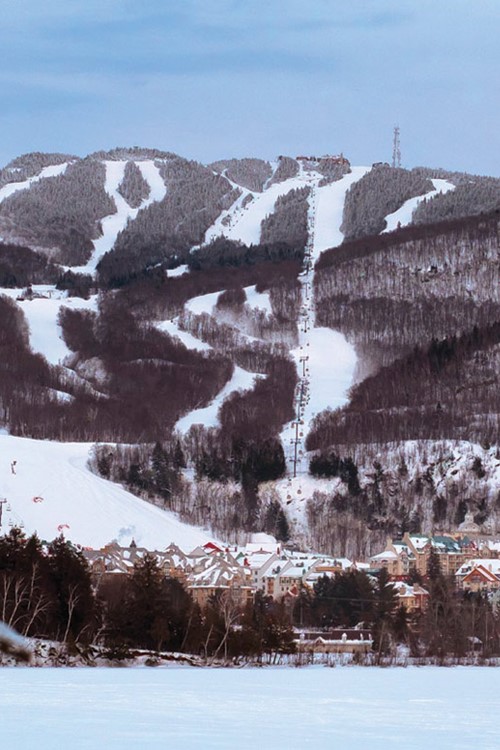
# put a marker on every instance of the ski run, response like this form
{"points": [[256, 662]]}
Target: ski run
{"points": [[324, 359]]}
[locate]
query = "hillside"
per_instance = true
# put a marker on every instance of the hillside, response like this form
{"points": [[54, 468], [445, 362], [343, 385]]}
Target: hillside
{"points": [[225, 311]]}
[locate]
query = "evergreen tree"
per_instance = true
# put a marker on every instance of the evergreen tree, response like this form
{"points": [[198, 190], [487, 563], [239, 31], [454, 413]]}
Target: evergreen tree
{"points": [[154, 612], [76, 613]]}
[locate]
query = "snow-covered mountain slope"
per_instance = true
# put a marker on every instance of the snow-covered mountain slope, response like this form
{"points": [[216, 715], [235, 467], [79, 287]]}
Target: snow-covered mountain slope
{"points": [[50, 490], [242, 221], [113, 224], [14, 187], [242, 380], [325, 360], [41, 313], [403, 216], [328, 208]]}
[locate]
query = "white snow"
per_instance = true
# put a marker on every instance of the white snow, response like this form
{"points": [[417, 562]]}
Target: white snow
{"points": [[190, 342], [331, 362], [179, 271], [113, 224], [258, 300], [208, 415], [13, 187], [202, 304], [325, 360], [41, 314], [52, 490], [242, 224], [328, 211], [347, 708], [403, 216]]}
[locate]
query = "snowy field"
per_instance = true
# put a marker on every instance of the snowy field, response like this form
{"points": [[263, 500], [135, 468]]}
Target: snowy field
{"points": [[50, 490], [346, 708]]}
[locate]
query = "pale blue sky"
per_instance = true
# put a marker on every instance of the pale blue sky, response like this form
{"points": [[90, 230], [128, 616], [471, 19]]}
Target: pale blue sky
{"points": [[220, 78]]}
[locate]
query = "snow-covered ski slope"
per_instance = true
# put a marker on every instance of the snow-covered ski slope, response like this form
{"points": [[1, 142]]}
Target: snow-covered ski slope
{"points": [[242, 380], [242, 221], [42, 313], [53, 492], [13, 187], [330, 359], [324, 358], [113, 224], [328, 211], [403, 216]]}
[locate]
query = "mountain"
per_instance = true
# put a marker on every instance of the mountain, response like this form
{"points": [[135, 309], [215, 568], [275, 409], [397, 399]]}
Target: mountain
{"points": [[207, 323]]}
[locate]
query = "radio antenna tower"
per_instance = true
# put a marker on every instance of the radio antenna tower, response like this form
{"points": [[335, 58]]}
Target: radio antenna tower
{"points": [[396, 148]]}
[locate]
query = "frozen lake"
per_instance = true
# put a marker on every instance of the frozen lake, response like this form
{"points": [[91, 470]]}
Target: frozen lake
{"points": [[350, 708]]}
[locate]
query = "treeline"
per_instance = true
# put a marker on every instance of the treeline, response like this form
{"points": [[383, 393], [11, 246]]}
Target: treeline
{"points": [[20, 266], [61, 213], [475, 195], [46, 590], [249, 173], [155, 295], [451, 624], [133, 153], [165, 231], [286, 169], [288, 222], [147, 379], [26, 379], [449, 390], [388, 294], [467, 229], [376, 195], [224, 495], [130, 382], [28, 165], [133, 187], [222, 253]]}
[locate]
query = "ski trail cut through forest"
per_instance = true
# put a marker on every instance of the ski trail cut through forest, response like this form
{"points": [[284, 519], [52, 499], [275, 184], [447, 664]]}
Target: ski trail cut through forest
{"points": [[114, 223], [324, 358], [403, 216], [13, 187]]}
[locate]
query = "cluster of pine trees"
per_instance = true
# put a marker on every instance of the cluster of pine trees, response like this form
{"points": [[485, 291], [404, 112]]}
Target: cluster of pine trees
{"points": [[61, 213]]}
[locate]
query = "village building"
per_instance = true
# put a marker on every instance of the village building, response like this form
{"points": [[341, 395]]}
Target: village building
{"points": [[334, 641], [479, 574], [413, 598]]}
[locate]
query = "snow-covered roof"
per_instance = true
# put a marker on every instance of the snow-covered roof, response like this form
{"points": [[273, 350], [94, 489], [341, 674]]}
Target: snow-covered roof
{"points": [[490, 564], [386, 555]]}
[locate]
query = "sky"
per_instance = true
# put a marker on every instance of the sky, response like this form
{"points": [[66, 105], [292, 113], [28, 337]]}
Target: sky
{"points": [[212, 79]]}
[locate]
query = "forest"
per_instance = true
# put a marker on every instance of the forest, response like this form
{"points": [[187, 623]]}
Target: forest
{"points": [[47, 591]]}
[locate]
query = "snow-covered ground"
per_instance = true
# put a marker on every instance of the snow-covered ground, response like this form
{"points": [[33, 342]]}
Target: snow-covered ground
{"points": [[50, 490], [190, 342], [41, 314], [325, 360], [208, 415], [347, 708], [402, 217], [113, 224], [243, 222], [258, 300], [328, 211], [13, 187], [202, 304]]}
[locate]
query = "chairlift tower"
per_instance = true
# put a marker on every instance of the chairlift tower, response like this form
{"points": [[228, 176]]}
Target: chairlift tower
{"points": [[396, 148], [2, 503]]}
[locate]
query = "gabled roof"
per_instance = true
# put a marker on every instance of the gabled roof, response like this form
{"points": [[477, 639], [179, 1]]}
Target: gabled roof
{"points": [[489, 564]]}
